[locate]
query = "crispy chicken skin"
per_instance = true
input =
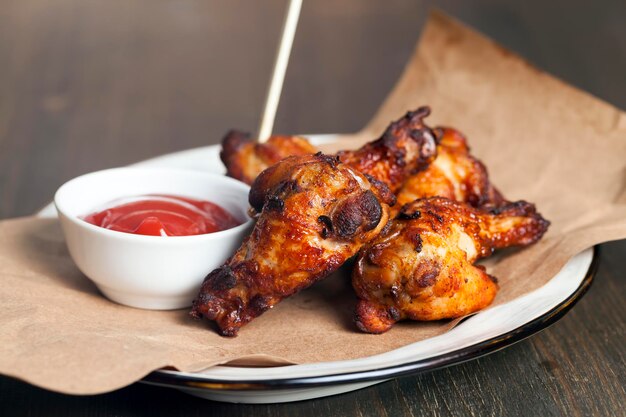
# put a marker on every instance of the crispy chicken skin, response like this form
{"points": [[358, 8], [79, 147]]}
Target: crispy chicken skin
{"points": [[421, 267], [406, 147], [316, 214], [274, 177], [245, 158], [454, 174]]}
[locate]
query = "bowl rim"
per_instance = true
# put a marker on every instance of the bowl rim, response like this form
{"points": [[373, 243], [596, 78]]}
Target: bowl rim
{"points": [[61, 207]]}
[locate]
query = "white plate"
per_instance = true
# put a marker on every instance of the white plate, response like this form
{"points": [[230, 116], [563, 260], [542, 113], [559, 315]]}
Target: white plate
{"points": [[483, 333]]}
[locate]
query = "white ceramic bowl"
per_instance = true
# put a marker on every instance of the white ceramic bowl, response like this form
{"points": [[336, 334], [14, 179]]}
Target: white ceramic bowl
{"points": [[150, 272]]}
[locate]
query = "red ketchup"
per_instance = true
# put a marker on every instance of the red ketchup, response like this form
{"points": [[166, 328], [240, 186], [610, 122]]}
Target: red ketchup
{"points": [[163, 215]]}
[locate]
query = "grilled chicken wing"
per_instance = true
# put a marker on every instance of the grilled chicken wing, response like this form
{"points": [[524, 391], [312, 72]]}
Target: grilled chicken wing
{"points": [[316, 211], [246, 158], [421, 267], [406, 147], [313, 219], [454, 174]]}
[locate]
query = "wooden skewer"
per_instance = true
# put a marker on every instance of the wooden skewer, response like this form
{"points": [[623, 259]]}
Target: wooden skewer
{"points": [[280, 67]]}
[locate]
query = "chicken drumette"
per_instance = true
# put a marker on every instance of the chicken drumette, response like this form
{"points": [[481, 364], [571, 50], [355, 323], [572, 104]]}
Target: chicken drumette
{"points": [[246, 158], [406, 147], [454, 174], [421, 267], [316, 217], [315, 213]]}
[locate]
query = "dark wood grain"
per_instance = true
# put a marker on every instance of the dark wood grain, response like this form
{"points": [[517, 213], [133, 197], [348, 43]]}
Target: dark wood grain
{"points": [[86, 85]]}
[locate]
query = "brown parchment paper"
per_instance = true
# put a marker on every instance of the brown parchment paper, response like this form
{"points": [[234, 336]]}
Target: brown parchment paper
{"points": [[542, 140]]}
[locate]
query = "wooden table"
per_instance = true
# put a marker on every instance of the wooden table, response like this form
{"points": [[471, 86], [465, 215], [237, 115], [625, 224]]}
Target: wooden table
{"points": [[86, 85]]}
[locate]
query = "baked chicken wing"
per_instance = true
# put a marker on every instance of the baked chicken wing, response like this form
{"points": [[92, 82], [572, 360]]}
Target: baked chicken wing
{"points": [[405, 148], [454, 174], [421, 267], [315, 212], [313, 219], [246, 158]]}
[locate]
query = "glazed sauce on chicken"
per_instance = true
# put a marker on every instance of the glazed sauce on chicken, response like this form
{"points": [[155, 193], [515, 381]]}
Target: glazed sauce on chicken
{"points": [[163, 215]]}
